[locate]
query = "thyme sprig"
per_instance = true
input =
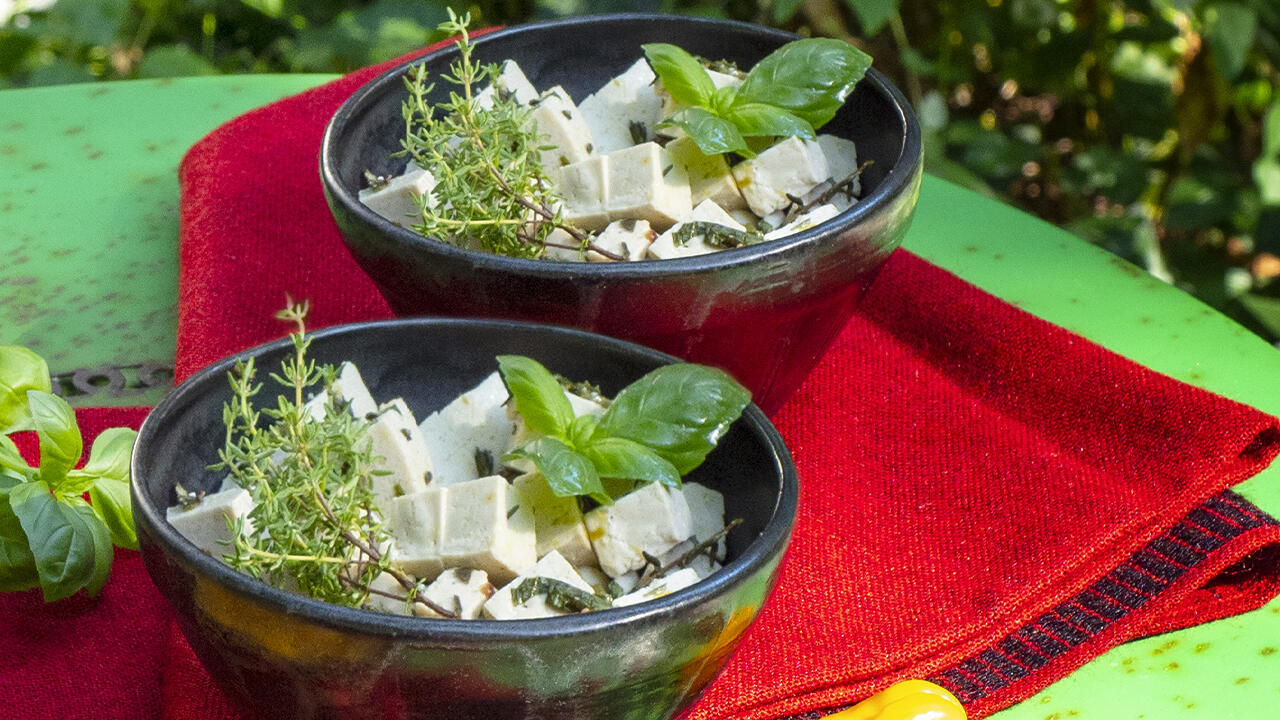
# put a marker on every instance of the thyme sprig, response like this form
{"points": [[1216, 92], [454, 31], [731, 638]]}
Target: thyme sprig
{"points": [[491, 188], [315, 526]]}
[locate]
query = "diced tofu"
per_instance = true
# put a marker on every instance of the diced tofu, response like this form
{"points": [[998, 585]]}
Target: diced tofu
{"points": [[677, 580], [594, 577], [557, 521], [671, 107], [485, 529], [561, 246], [502, 605], [417, 522], [744, 217], [627, 238], [511, 79], [706, 513], [560, 121], [709, 175], [666, 247], [399, 200], [644, 183], [842, 159], [808, 219], [625, 111], [787, 170], [462, 591], [584, 187], [649, 520], [382, 586], [397, 447], [205, 525], [351, 391], [473, 427]]}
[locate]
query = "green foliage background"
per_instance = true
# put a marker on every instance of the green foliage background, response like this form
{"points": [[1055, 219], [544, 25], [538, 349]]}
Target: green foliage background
{"points": [[1148, 127]]}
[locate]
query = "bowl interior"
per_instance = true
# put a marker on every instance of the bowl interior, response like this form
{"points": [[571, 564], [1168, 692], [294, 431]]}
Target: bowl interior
{"points": [[428, 362], [581, 55]]}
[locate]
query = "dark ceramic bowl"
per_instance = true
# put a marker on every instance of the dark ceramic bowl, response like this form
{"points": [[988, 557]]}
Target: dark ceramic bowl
{"points": [[288, 656], [765, 313]]}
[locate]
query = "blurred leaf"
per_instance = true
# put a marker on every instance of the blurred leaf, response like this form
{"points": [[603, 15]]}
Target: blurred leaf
{"points": [[1265, 309], [1119, 176], [784, 10], [873, 14], [1033, 14], [15, 46], [1229, 28], [86, 23], [992, 155], [270, 8], [173, 61], [1195, 204], [59, 71]]}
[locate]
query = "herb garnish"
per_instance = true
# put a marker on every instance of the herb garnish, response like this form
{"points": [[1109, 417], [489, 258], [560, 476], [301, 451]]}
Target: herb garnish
{"points": [[490, 187], [49, 536], [793, 91], [715, 235], [657, 429], [314, 521], [560, 595]]}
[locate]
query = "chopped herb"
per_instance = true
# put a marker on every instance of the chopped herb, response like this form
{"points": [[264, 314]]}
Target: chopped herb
{"points": [[406, 434], [667, 169], [584, 388], [568, 115], [614, 590], [590, 147], [426, 477], [560, 595], [463, 574], [708, 547], [397, 491], [639, 133], [376, 182], [844, 187], [715, 234], [186, 498], [484, 463], [512, 511]]}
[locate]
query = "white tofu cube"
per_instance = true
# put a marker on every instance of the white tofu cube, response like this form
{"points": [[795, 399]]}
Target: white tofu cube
{"points": [[625, 111], [484, 529], [629, 239], [645, 184], [557, 521], [666, 246], [462, 591], [709, 175], [677, 580], [351, 392], [417, 523], [560, 121], [648, 520], [205, 525], [808, 219], [842, 159], [788, 169], [584, 187], [383, 586], [397, 447], [511, 79], [502, 606], [474, 426], [399, 200]]}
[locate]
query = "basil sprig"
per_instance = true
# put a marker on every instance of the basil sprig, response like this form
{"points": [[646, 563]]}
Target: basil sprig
{"points": [[793, 91], [657, 429], [50, 537]]}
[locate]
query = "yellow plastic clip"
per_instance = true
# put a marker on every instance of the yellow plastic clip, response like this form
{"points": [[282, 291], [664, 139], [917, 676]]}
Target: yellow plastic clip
{"points": [[906, 700]]}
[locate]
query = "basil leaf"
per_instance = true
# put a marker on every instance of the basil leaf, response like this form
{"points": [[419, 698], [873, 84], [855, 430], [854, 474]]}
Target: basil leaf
{"points": [[11, 459], [680, 411], [616, 457], [713, 135], [113, 506], [811, 78], [538, 397], [682, 75], [760, 120], [17, 564], [103, 554], [112, 450], [60, 441], [20, 370], [64, 539], [567, 472]]}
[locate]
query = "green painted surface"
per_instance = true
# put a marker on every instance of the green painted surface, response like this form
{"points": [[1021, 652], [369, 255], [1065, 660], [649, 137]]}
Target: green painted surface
{"points": [[88, 187], [89, 216]]}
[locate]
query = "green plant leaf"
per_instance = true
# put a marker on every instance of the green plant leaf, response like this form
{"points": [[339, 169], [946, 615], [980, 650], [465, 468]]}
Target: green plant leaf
{"points": [[567, 473], [113, 506], [1229, 28], [65, 540], [624, 459], [713, 135], [809, 77], [873, 14], [111, 453], [680, 411], [60, 441], [17, 564], [682, 75], [11, 459], [784, 10], [20, 370], [103, 554], [539, 399], [760, 120]]}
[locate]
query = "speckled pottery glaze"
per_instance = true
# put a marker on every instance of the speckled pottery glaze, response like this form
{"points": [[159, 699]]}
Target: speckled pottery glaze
{"points": [[282, 655], [765, 313]]}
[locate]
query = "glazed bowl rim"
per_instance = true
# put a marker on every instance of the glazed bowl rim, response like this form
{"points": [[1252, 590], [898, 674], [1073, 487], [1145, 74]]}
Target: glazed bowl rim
{"points": [[899, 178], [773, 538]]}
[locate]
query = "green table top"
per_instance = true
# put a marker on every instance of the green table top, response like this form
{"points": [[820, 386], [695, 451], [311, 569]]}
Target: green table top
{"points": [[88, 188]]}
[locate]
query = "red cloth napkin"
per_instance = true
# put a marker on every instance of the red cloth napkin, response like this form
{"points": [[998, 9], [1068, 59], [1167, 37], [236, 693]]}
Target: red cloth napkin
{"points": [[987, 500]]}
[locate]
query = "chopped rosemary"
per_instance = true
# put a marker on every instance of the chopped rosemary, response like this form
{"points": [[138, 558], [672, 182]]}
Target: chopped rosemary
{"points": [[716, 235], [560, 595]]}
